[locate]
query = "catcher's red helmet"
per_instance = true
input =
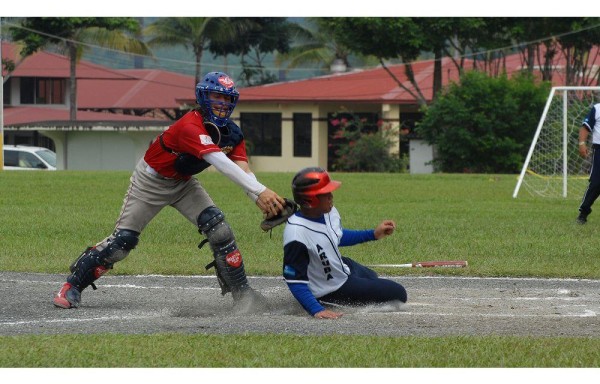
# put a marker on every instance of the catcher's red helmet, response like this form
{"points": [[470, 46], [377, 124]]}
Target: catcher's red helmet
{"points": [[310, 182]]}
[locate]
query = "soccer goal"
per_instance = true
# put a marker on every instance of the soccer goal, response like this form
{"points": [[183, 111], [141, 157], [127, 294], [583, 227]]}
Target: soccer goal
{"points": [[553, 167]]}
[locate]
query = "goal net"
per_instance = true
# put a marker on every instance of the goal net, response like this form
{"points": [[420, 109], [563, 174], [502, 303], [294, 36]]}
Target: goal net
{"points": [[553, 167]]}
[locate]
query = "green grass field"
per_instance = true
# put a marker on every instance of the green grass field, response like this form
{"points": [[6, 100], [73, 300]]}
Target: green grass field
{"points": [[48, 218]]}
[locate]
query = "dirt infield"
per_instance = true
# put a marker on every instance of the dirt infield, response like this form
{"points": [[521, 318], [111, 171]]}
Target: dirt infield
{"points": [[437, 306]]}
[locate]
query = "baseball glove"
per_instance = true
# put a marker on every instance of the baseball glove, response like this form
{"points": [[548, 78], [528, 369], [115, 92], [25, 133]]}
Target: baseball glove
{"points": [[289, 208]]}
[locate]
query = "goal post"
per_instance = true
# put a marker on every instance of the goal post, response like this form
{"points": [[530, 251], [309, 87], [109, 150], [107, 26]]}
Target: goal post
{"points": [[553, 167]]}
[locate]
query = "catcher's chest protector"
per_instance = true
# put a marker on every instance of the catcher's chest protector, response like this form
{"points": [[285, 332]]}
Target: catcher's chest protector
{"points": [[227, 138]]}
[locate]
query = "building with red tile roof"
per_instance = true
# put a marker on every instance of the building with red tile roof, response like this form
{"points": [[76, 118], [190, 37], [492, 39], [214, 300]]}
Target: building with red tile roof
{"points": [[127, 108], [286, 124]]}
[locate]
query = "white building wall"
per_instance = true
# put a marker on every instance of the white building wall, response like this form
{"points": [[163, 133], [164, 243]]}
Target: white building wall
{"points": [[421, 156], [100, 150]]}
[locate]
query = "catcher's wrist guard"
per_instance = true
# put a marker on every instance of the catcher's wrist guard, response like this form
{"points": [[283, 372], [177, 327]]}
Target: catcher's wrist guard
{"points": [[289, 208]]}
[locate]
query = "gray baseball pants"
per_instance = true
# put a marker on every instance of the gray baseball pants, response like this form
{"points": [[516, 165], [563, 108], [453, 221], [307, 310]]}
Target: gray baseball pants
{"points": [[150, 192]]}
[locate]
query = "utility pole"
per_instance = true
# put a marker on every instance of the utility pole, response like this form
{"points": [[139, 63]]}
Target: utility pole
{"points": [[1, 103]]}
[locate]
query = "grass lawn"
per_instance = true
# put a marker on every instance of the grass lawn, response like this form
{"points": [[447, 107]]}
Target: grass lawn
{"points": [[48, 218]]}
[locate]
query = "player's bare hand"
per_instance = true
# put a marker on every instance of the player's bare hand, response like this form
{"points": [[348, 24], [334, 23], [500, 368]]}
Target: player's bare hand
{"points": [[583, 151], [385, 228], [328, 314], [270, 203]]}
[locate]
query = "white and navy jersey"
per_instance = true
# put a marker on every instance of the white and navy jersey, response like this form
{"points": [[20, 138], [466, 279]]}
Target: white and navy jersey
{"points": [[592, 123], [311, 254]]}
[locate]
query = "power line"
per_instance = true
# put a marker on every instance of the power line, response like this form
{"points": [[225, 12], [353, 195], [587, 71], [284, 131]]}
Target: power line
{"points": [[295, 69]]}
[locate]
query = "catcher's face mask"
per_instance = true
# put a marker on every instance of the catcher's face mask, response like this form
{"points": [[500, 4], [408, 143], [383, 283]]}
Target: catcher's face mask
{"points": [[221, 87]]}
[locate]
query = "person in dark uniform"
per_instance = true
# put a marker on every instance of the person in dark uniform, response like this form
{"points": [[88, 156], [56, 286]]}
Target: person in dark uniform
{"points": [[591, 124]]}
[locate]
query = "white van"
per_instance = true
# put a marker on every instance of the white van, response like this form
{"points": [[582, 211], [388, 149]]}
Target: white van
{"points": [[28, 158]]}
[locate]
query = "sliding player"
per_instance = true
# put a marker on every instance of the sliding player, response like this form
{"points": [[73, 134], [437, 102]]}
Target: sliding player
{"points": [[313, 266]]}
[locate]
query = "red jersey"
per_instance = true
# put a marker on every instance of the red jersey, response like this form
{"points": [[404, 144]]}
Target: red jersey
{"points": [[187, 135]]}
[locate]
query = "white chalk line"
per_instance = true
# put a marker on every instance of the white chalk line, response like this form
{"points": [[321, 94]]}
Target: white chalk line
{"points": [[586, 313], [133, 286], [555, 279], [402, 312], [52, 321]]}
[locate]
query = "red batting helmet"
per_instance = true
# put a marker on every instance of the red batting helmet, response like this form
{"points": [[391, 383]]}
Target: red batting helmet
{"points": [[310, 182]]}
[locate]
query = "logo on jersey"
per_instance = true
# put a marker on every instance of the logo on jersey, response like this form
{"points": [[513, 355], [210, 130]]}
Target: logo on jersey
{"points": [[289, 272], [226, 82], [234, 259], [227, 149], [206, 140]]}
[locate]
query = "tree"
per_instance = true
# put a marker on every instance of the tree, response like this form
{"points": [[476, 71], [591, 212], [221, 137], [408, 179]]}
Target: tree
{"points": [[485, 124], [384, 38], [71, 34], [194, 33], [254, 38], [578, 51], [402, 38], [315, 44], [540, 40], [8, 65]]}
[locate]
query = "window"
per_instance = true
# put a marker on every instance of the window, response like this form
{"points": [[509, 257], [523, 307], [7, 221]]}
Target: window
{"points": [[27, 90], [11, 158], [42, 91], [262, 132], [29, 160], [302, 134], [6, 92]]}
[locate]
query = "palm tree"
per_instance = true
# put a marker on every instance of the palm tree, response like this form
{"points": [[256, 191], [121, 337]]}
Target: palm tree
{"points": [[194, 33], [316, 45], [72, 33]]}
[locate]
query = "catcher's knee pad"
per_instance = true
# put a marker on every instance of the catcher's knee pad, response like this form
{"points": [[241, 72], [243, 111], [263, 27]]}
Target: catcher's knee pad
{"points": [[119, 245], [93, 263], [228, 259]]}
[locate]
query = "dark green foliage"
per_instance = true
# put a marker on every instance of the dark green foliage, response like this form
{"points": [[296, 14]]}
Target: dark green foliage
{"points": [[255, 38], [484, 125], [365, 149], [8, 65], [55, 30], [383, 37]]}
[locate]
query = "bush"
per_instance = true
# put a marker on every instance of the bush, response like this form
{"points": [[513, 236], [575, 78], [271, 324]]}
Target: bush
{"points": [[484, 124], [361, 149]]}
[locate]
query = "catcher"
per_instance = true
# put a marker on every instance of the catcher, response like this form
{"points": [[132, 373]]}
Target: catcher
{"points": [[313, 267], [164, 177]]}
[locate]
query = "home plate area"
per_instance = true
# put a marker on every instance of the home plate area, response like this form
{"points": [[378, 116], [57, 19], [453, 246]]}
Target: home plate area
{"points": [[437, 306]]}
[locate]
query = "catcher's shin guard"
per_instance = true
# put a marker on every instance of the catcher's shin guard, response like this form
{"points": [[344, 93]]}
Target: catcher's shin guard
{"points": [[92, 263], [227, 257]]}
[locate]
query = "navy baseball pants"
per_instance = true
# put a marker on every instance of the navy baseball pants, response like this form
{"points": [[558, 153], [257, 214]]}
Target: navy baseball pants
{"points": [[364, 286], [593, 190]]}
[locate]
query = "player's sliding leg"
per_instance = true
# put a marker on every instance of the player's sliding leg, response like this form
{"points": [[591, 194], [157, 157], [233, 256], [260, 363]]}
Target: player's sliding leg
{"points": [[93, 263]]}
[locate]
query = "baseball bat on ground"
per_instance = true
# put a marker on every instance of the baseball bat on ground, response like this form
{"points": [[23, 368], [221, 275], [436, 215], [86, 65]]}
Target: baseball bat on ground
{"points": [[427, 264]]}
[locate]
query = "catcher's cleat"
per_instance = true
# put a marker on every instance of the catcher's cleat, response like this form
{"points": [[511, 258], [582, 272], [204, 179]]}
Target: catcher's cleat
{"points": [[67, 297], [247, 300], [582, 219]]}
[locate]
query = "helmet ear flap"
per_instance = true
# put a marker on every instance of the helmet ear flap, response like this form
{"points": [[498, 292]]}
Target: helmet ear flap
{"points": [[313, 202], [306, 201]]}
